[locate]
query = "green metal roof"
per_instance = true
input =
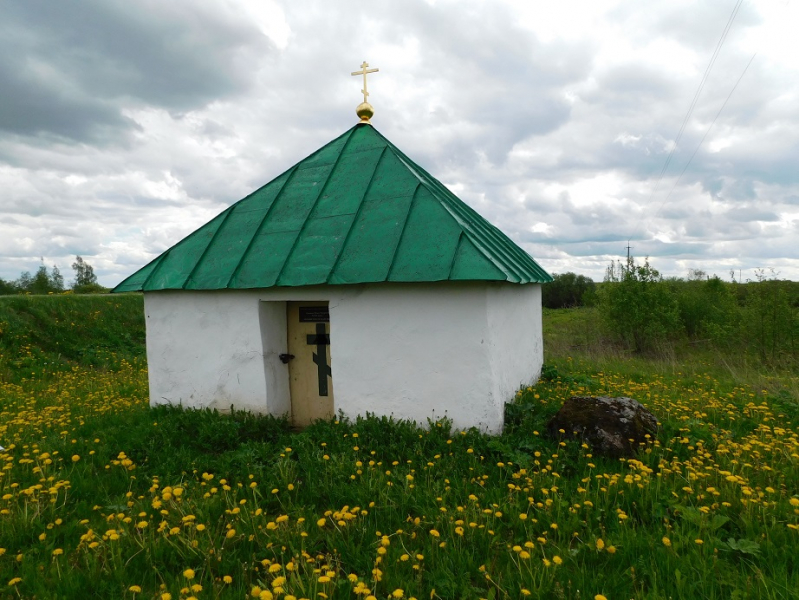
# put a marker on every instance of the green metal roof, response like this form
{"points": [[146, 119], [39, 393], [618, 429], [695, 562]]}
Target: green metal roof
{"points": [[355, 211]]}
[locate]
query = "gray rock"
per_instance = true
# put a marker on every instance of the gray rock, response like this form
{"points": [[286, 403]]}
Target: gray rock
{"points": [[613, 427]]}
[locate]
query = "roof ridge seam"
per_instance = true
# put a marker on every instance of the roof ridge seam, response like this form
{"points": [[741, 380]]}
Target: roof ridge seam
{"points": [[442, 193], [160, 260], [355, 218], [485, 243], [313, 207], [260, 226], [519, 261], [481, 247], [460, 211], [456, 208], [228, 211], [411, 204], [292, 168], [124, 281], [169, 250], [455, 255], [164, 256]]}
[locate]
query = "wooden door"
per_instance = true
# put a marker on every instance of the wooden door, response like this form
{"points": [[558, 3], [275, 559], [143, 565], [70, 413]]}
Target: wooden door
{"points": [[310, 371]]}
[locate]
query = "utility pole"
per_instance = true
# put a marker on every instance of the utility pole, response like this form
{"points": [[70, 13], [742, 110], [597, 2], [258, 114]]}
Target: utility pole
{"points": [[628, 254]]}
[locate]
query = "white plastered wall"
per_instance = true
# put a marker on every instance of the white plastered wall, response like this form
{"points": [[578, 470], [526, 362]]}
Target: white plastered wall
{"points": [[414, 351]]}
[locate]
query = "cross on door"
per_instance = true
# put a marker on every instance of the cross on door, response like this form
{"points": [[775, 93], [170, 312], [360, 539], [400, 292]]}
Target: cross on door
{"points": [[321, 339]]}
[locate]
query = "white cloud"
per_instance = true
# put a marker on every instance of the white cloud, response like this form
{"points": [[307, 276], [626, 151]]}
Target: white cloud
{"points": [[553, 120]]}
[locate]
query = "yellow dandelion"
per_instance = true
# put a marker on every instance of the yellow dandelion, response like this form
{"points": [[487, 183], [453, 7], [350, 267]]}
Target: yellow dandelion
{"points": [[435, 533], [398, 593], [135, 589], [666, 542], [600, 544], [188, 574], [600, 597]]}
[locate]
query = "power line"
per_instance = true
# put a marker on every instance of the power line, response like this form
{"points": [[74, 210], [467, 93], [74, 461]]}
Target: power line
{"points": [[685, 168], [695, 100], [699, 89]]}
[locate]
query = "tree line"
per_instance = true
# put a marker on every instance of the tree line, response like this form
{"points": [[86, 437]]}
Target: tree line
{"points": [[648, 312], [51, 281]]}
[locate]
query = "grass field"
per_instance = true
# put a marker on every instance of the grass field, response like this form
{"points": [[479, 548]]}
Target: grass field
{"points": [[101, 496]]}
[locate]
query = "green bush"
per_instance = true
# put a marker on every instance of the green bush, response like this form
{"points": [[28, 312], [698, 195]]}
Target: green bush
{"points": [[708, 309], [638, 306], [772, 319], [566, 290]]}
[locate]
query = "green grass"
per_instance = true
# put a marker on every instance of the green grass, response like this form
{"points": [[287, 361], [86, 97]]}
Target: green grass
{"points": [[47, 334], [101, 495]]}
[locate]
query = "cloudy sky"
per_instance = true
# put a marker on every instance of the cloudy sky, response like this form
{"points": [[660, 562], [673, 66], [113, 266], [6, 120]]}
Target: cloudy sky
{"points": [[126, 125]]}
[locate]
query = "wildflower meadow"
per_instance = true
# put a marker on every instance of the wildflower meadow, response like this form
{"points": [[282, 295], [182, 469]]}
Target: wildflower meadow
{"points": [[102, 496]]}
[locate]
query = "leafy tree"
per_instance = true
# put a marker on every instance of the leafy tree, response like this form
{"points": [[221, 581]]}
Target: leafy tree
{"points": [[85, 279], [84, 273], [7, 288], [638, 306], [56, 280], [41, 282], [566, 290]]}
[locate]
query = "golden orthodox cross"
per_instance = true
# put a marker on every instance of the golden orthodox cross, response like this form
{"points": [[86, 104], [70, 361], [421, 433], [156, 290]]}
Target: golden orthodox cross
{"points": [[364, 70]]}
